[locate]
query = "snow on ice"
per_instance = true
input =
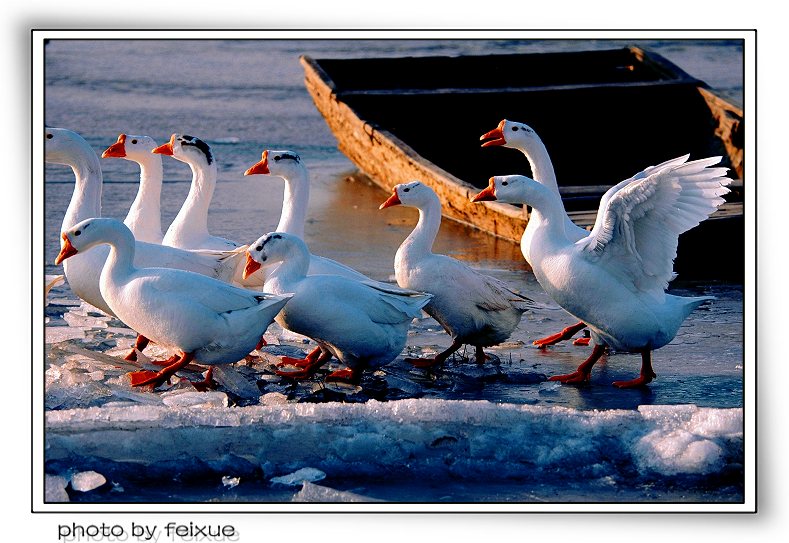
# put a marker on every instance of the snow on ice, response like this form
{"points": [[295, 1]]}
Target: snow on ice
{"points": [[426, 438]]}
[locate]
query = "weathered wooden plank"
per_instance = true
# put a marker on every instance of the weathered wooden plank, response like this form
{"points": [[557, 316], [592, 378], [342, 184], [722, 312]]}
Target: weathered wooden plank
{"points": [[729, 128], [389, 161]]}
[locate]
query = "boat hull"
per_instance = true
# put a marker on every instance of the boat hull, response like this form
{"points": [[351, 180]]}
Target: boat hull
{"points": [[400, 134]]}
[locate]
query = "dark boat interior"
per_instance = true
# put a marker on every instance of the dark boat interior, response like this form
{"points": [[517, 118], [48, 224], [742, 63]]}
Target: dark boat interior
{"points": [[603, 115]]}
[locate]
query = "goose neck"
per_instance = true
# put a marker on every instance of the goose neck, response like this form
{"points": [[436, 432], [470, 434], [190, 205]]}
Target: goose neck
{"points": [[540, 163], [120, 262], [294, 204], [420, 242], [547, 211], [86, 198], [194, 212], [285, 274], [148, 199]]}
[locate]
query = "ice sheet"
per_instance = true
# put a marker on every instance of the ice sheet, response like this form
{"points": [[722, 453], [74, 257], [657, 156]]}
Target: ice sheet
{"points": [[410, 439], [317, 493]]}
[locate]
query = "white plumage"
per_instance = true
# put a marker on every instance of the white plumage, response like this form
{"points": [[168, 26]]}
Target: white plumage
{"points": [[82, 272], [289, 166], [363, 324], [524, 138], [145, 217], [473, 308], [209, 320], [189, 229], [614, 279]]}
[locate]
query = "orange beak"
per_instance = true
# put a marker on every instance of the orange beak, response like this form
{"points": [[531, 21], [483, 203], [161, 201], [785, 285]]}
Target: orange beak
{"points": [[66, 251], [261, 167], [393, 200], [498, 135], [167, 148], [117, 149], [488, 194], [251, 266]]}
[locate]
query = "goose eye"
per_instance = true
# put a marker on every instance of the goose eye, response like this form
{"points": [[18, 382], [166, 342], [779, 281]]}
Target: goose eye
{"points": [[277, 158], [514, 128], [77, 233], [259, 248], [406, 190], [134, 142], [505, 183], [50, 136]]}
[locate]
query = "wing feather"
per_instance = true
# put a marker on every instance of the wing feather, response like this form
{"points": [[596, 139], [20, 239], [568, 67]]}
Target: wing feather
{"points": [[637, 229]]}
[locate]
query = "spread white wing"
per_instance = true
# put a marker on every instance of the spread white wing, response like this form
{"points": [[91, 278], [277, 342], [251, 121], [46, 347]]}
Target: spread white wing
{"points": [[637, 228]]}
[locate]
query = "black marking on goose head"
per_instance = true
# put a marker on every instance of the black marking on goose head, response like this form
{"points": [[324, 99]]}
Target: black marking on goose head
{"points": [[268, 238], [200, 144], [287, 156]]}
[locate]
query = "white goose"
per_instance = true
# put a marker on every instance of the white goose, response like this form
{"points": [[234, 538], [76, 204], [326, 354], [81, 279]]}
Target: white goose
{"points": [[189, 229], [361, 323], [62, 146], [473, 308], [615, 279], [524, 138], [289, 166], [201, 318], [145, 217]]}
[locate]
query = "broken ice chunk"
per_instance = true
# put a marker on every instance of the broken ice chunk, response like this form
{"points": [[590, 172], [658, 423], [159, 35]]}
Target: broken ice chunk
{"points": [[74, 319], [126, 393], [230, 482], [72, 388], [317, 493], [192, 398], [273, 398], [55, 488], [342, 388], [63, 333], [85, 481], [94, 355], [235, 382], [296, 478]]}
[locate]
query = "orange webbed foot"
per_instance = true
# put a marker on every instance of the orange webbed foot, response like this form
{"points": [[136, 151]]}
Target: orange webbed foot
{"points": [[298, 362], [640, 381], [207, 383], [143, 378], [553, 339], [424, 362], [306, 367], [345, 375], [577, 377], [582, 341]]}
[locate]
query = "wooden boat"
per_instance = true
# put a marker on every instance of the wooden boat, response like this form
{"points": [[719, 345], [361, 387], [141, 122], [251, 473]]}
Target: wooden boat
{"points": [[603, 115]]}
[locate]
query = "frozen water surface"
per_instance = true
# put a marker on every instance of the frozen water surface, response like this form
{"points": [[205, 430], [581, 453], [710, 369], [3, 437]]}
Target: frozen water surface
{"points": [[497, 432]]}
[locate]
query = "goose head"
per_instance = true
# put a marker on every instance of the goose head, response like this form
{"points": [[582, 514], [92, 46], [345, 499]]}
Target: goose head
{"points": [[285, 164], [86, 234], [509, 134], [130, 147], [273, 248], [188, 149], [412, 194], [62, 146], [514, 189]]}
